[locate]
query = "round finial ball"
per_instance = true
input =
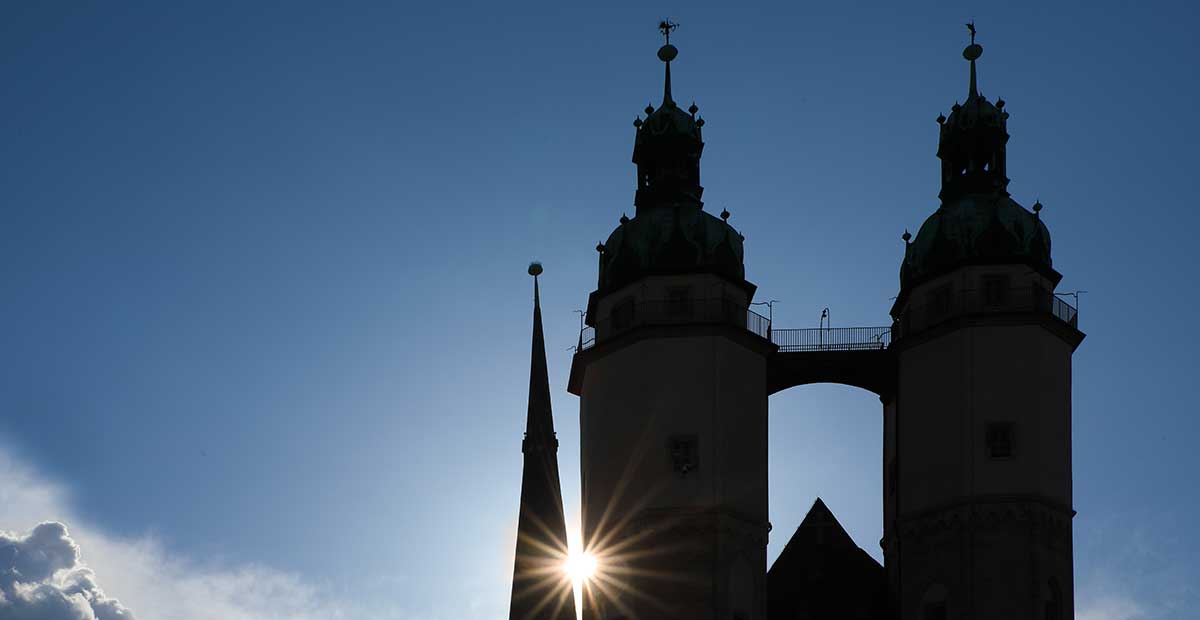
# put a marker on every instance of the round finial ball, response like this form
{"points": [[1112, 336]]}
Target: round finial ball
{"points": [[649, 109], [667, 53], [600, 248], [973, 51], [1037, 206], [535, 269], [637, 122], [725, 214], [692, 109], [906, 236], [941, 119], [624, 220]]}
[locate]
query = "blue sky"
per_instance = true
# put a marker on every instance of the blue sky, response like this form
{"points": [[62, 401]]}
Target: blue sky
{"points": [[263, 299]]}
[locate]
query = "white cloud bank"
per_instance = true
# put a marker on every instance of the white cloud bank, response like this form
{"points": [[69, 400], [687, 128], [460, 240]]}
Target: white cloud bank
{"points": [[50, 572], [1111, 608]]}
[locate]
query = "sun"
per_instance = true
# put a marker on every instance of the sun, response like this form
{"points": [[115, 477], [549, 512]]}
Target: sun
{"points": [[580, 566]]}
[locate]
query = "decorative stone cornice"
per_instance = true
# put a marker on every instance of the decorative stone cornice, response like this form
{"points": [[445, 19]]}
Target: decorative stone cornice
{"points": [[690, 523], [1051, 519]]}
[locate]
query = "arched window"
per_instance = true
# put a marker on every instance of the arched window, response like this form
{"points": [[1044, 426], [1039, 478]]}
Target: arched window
{"points": [[1054, 605], [933, 604]]}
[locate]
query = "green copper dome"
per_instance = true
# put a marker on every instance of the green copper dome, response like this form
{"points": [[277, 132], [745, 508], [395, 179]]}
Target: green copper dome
{"points": [[670, 240], [976, 229]]}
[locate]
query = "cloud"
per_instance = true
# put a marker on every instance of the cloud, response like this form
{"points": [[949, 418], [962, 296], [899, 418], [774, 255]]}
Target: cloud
{"points": [[41, 579], [48, 572], [1110, 608]]}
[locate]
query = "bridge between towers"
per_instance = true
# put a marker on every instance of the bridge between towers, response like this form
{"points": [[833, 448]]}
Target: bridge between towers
{"points": [[857, 356]]}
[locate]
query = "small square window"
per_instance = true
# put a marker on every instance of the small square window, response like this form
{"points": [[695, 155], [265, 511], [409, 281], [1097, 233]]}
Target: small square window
{"points": [[1001, 440], [934, 611], [684, 456], [939, 303]]}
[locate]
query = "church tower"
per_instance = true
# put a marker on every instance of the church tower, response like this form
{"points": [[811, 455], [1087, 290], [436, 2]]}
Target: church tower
{"points": [[977, 442], [673, 400], [541, 586]]}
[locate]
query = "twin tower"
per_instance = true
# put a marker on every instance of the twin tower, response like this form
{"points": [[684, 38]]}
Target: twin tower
{"points": [[673, 373]]}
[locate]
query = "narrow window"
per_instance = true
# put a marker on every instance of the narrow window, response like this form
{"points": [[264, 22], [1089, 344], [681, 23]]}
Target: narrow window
{"points": [[995, 291], [1000, 440], [939, 302], [683, 453], [893, 479]]}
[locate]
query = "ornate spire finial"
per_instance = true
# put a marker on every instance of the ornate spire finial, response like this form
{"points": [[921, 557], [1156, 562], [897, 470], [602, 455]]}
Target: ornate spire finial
{"points": [[667, 53], [535, 270], [666, 27], [972, 53]]}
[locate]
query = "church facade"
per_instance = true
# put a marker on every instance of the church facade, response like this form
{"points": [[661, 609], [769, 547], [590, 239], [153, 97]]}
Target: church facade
{"points": [[673, 373]]}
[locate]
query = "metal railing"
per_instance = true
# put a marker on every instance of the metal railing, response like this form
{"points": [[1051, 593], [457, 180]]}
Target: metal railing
{"points": [[832, 339], [946, 304], [942, 306], [632, 314]]}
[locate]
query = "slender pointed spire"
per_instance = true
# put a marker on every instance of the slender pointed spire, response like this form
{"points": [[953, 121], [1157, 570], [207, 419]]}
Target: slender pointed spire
{"points": [[539, 424], [541, 588]]}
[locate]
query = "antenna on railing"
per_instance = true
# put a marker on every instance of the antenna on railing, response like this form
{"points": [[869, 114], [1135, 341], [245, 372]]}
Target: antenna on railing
{"points": [[579, 346], [1075, 295], [770, 314]]}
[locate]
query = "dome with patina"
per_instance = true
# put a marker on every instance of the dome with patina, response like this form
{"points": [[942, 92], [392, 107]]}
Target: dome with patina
{"points": [[671, 240], [975, 230]]}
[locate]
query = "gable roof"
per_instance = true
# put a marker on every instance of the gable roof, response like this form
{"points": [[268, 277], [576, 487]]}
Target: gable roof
{"points": [[822, 573]]}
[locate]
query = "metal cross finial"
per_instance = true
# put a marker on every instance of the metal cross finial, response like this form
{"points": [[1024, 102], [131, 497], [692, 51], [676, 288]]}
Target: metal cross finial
{"points": [[971, 27], [666, 26]]}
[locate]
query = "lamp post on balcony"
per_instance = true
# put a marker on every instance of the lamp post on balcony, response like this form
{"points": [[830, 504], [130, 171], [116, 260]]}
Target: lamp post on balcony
{"points": [[825, 323], [770, 314]]}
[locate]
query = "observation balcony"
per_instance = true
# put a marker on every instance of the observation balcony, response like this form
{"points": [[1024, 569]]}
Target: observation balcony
{"points": [[635, 314], [945, 304]]}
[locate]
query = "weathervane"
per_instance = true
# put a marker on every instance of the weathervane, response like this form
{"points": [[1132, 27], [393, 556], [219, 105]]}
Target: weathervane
{"points": [[666, 26], [971, 27]]}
